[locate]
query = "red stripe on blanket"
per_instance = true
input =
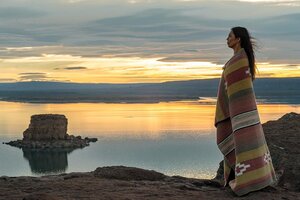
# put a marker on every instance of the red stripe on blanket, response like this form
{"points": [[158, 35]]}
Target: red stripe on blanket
{"points": [[223, 130], [248, 136], [255, 163], [237, 75], [254, 182], [242, 104]]}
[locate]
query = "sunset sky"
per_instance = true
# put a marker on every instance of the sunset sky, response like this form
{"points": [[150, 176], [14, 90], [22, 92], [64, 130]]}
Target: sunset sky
{"points": [[121, 41]]}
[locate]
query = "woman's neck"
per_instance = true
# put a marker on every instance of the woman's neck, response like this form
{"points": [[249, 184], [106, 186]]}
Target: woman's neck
{"points": [[236, 49]]}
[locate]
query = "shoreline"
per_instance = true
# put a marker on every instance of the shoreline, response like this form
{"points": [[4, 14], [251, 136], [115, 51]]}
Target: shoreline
{"points": [[259, 102], [119, 182]]}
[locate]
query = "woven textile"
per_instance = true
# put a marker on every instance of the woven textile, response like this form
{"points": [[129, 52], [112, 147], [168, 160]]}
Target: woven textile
{"points": [[240, 136]]}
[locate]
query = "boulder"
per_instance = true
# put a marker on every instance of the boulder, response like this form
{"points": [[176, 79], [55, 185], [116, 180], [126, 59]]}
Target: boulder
{"points": [[46, 127], [283, 138], [128, 173]]}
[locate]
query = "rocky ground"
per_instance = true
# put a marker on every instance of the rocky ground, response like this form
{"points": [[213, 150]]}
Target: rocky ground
{"points": [[283, 137], [124, 183], [132, 183]]}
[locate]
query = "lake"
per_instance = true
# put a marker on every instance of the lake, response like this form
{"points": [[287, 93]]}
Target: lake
{"points": [[175, 138]]}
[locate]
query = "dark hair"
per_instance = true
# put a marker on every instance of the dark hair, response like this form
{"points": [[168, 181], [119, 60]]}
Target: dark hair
{"points": [[247, 42]]}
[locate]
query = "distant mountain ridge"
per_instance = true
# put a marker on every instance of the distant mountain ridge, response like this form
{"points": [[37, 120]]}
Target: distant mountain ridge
{"points": [[44, 85], [270, 89]]}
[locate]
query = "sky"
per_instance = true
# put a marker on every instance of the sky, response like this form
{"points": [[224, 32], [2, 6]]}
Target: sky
{"points": [[134, 41]]}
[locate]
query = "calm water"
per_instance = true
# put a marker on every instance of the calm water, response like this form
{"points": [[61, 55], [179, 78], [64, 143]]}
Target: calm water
{"points": [[176, 138]]}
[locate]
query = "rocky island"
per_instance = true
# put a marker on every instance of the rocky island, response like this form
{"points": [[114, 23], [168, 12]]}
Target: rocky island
{"points": [[120, 182], [49, 131]]}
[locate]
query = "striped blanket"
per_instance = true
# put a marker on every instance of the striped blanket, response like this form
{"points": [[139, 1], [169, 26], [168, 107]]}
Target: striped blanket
{"points": [[240, 136]]}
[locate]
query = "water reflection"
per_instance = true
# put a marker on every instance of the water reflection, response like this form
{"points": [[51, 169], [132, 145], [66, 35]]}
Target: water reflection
{"points": [[47, 161], [117, 119], [166, 137]]}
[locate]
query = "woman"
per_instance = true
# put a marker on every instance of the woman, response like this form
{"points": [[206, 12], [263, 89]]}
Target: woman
{"points": [[247, 162]]}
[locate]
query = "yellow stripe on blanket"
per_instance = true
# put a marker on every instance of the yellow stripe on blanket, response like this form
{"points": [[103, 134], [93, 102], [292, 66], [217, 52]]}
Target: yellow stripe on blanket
{"points": [[240, 85], [255, 174], [248, 155], [219, 112], [233, 67]]}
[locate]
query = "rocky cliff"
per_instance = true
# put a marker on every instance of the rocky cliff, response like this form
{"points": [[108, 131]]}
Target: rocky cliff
{"points": [[283, 137]]}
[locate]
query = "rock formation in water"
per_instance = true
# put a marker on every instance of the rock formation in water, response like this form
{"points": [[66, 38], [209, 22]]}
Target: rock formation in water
{"points": [[46, 127], [48, 131]]}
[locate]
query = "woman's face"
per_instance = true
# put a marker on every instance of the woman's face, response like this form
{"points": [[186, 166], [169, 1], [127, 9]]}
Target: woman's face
{"points": [[232, 41]]}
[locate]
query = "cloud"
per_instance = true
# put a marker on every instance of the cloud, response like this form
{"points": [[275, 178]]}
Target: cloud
{"points": [[275, 2], [291, 66], [75, 68], [19, 13], [76, 1], [7, 80], [176, 32], [19, 48], [34, 73], [34, 76], [169, 33]]}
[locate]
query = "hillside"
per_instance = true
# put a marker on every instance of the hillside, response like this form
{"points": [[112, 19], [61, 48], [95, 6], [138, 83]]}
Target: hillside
{"points": [[270, 90]]}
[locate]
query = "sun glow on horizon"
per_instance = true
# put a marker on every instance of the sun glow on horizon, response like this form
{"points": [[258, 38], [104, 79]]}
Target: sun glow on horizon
{"points": [[107, 69], [111, 69]]}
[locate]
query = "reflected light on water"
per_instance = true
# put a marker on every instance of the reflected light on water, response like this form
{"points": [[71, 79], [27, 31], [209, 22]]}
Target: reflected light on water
{"points": [[107, 119], [275, 111], [134, 120]]}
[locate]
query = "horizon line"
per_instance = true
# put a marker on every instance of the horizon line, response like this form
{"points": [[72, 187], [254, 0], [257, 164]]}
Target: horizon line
{"points": [[123, 83]]}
